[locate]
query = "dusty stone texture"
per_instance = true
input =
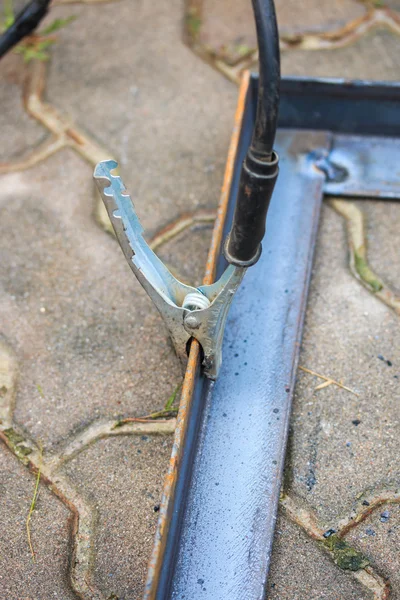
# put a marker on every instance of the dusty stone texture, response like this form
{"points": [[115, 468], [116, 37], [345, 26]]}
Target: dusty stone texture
{"points": [[393, 4], [186, 255], [17, 5], [382, 225], [122, 480], [373, 56], [342, 443], [88, 340], [300, 569], [227, 25], [379, 539], [315, 16], [146, 97], [20, 133], [20, 577]]}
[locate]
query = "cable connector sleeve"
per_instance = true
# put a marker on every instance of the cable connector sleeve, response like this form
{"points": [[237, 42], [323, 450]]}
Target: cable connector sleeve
{"points": [[257, 182]]}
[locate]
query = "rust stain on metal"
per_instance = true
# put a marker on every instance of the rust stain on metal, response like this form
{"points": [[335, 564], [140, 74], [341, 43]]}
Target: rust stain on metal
{"points": [[172, 474], [226, 186], [193, 362]]}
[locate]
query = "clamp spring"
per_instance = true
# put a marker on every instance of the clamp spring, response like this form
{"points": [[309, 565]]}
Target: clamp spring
{"points": [[195, 301]]}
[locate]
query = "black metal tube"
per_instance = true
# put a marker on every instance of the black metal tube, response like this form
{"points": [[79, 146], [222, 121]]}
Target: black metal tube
{"points": [[25, 22], [260, 167]]}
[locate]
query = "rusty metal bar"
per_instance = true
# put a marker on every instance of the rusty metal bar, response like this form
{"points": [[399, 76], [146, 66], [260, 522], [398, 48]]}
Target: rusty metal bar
{"points": [[193, 367]]}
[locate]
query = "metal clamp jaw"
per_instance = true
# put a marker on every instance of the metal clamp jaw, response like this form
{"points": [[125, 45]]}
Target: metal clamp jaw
{"points": [[187, 311], [201, 312]]}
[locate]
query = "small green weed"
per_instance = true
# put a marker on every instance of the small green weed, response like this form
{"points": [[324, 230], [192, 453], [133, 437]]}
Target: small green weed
{"points": [[36, 45]]}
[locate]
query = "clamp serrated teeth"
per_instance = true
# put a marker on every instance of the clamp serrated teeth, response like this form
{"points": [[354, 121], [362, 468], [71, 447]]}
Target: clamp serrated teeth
{"points": [[113, 191], [102, 173]]}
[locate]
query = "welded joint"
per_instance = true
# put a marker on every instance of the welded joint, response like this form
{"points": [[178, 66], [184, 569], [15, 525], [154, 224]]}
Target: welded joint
{"points": [[334, 172]]}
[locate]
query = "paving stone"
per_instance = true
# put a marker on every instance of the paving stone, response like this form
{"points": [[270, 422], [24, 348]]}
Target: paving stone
{"points": [[20, 577], [122, 479], [296, 555], [382, 223], [19, 132], [314, 16], [393, 4], [146, 97], [228, 28], [373, 56], [89, 343], [187, 254], [379, 539], [342, 443], [88, 340], [17, 5]]}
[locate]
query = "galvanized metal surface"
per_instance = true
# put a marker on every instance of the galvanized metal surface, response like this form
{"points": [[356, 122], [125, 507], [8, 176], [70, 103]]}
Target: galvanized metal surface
{"points": [[187, 311]]}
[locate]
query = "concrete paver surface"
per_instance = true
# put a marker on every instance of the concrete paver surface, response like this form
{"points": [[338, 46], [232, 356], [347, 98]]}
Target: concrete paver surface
{"points": [[82, 347]]}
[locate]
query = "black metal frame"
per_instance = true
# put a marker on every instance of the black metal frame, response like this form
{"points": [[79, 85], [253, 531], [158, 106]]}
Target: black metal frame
{"points": [[224, 508]]}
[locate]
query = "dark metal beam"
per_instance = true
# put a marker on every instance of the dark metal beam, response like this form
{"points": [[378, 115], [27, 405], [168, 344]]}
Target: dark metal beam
{"points": [[219, 508], [232, 488]]}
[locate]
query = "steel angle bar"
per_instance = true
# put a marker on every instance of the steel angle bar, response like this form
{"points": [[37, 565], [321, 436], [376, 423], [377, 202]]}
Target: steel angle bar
{"points": [[223, 548], [363, 118], [340, 106], [218, 510], [368, 167], [214, 541]]}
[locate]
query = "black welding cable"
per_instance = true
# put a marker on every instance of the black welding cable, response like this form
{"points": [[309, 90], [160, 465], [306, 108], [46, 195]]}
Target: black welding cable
{"points": [[269, 79], [260, 166], [25, 22]]}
